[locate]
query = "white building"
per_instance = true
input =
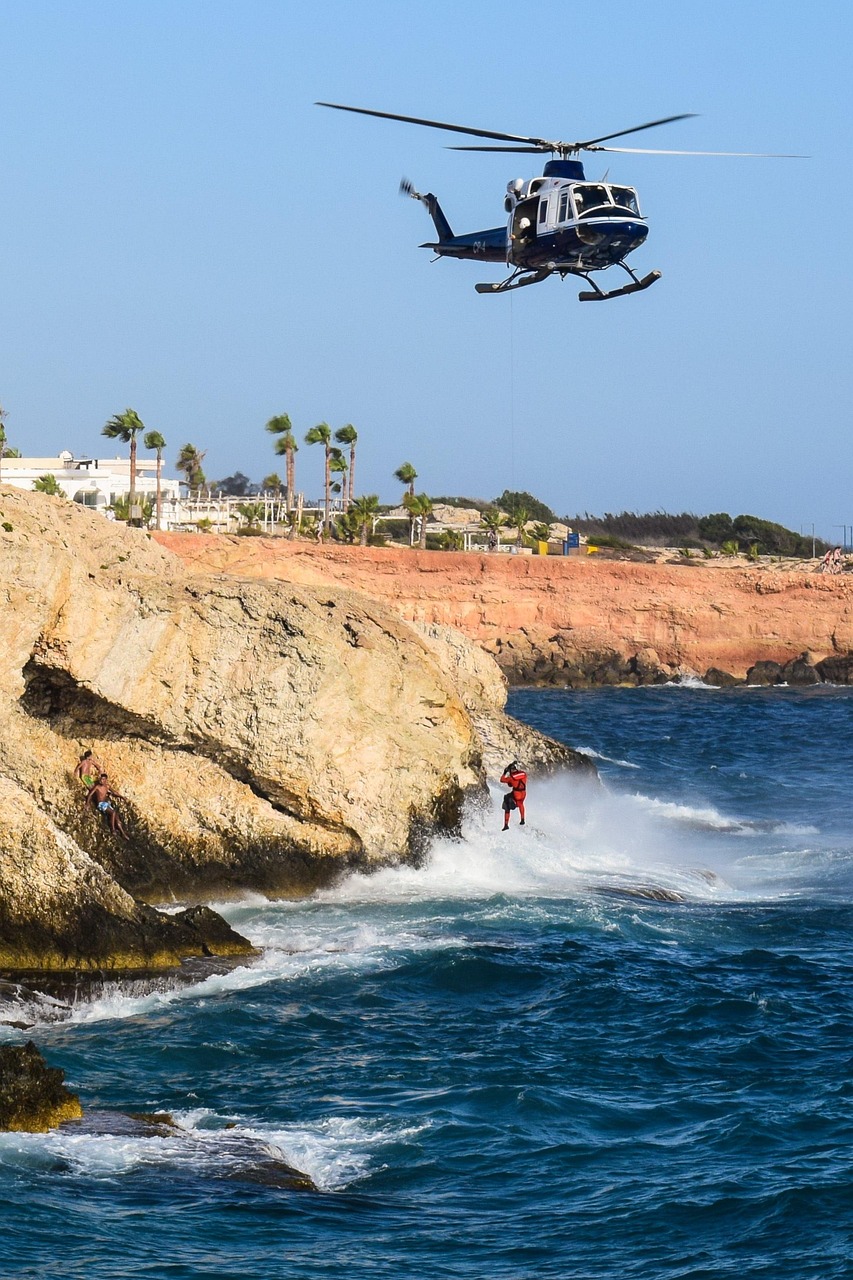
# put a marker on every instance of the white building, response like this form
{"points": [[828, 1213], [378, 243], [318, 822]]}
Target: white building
{"points": [[93, 482]]}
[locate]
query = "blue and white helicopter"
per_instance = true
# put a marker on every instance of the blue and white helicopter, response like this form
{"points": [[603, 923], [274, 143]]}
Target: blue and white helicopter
{"points": [[560, 223]]}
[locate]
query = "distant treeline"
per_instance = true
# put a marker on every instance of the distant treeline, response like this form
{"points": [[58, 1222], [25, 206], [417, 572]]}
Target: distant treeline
{"points": [[660, 528]]}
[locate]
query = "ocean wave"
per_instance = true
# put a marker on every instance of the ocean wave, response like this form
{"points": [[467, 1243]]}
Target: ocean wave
{"points": [[710, 819], [334, 1152], [292, 945], [597, 755]]}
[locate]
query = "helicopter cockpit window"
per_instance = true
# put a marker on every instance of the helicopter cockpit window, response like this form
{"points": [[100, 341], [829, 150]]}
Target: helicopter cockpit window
{"points": [[625, 198], [589, 198]]}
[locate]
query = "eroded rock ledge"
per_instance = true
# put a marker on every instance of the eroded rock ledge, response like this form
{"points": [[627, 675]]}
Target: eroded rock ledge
{"points": [[266, 736]]}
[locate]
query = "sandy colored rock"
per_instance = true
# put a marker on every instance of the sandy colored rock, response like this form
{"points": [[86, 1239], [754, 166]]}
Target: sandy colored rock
{"points": [[262, 734]]}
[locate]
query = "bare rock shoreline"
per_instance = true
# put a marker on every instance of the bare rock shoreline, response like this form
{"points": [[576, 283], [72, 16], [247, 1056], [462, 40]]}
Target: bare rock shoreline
{"points": [[264, 735]]}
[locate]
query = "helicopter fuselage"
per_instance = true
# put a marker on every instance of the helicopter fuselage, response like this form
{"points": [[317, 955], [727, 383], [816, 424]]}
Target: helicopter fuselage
{"points": [[557, 221]]}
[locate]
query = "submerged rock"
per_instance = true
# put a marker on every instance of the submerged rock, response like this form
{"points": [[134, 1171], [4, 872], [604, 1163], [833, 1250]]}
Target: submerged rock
{"points": [[33, 1096]]}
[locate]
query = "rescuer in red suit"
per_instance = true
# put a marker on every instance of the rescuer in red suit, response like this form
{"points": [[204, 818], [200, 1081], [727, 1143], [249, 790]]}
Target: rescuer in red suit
{"points": [[514, 776]]}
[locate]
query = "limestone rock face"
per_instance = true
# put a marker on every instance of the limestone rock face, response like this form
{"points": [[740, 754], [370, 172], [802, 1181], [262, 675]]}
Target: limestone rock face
{"points": [[482, 689], [261, 735]]}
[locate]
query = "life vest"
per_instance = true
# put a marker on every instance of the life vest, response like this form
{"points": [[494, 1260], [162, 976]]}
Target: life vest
{"points": [[518, 782]]}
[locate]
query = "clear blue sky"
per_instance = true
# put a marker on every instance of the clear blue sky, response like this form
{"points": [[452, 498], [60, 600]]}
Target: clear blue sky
{"points": [[183, 232]]}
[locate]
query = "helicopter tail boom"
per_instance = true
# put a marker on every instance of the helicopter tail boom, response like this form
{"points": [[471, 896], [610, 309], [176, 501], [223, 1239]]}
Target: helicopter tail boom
{"points": [[483, 246]]}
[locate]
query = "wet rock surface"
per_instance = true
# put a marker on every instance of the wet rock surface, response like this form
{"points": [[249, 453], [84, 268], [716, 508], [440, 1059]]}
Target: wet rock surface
{"points": [[33, 1096]]}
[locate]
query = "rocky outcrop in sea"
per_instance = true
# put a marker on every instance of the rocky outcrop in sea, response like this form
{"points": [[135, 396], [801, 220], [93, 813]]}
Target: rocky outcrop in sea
{"points": [[263, 735]]}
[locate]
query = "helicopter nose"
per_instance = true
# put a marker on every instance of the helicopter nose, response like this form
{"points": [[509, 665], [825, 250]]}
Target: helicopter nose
{"points": [[627, 235]]}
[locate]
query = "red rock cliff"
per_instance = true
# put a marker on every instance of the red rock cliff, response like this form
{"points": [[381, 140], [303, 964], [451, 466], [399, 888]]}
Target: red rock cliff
{"points": [[689, 617]]}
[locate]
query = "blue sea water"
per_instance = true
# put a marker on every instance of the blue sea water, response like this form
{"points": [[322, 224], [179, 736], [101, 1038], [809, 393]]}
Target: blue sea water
{"points": [[511, 1062]]}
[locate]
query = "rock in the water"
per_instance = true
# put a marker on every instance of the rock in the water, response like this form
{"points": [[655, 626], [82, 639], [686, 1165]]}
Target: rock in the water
{"points": [[764, 673], [800, 671], [33, 1097], [837, 670], [720, 679]]}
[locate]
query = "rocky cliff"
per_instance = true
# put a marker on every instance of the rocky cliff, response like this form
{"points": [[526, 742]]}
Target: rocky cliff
{"points": [[570, 621], [263, 735]]}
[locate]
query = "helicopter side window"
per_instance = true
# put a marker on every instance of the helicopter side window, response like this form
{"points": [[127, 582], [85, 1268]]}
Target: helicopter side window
{"points": [[590, 198], [625, 198], [563, 211], [543, 211]]}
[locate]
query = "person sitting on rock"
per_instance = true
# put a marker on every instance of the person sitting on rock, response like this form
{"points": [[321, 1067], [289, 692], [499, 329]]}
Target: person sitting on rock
{"points": [[101, 796], [88, 769], [514, 776]]}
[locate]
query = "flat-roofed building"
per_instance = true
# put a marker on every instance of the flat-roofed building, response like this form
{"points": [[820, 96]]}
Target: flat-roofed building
{"points": [[93, 482]]}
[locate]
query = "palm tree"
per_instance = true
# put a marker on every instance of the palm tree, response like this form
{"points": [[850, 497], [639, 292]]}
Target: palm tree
{"points": [[364, 509], [348, 435], [252, 512], [153, 440], [338, 466], [285, 447], [189, 462], [492, 521], [121, 509], [419, 507], [48, 484], [273, 482], [347, 525], [407, 475], [518, 519], [322, 434], [126, 427]]}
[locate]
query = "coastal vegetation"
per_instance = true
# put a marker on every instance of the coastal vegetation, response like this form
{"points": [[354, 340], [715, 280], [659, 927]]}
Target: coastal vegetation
{"points": [[720, 531], [126, 427], [189, 464], [155, 441]]}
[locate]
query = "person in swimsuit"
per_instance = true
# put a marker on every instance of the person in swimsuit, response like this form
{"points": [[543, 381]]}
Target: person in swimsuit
{"points": [[100, 796], [88, 769]]}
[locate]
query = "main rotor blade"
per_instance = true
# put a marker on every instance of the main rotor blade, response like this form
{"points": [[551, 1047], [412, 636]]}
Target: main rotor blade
{"points": [[435, 124], [537, 150], [646, 151], [638, 128]]}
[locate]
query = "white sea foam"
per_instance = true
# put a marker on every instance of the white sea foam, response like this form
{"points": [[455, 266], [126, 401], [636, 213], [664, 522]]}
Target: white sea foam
{"points": [[334, 1152], [583, 838], [597, 755], [583, 843], [579, 837], [292, 946], [692, 682]]}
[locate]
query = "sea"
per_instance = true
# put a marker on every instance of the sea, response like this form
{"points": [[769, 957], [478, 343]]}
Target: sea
{"points": [[616, 1042]]}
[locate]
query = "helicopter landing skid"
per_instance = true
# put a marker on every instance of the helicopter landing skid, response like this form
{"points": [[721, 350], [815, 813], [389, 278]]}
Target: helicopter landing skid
{"points": [[515, 281], [595, 294]]}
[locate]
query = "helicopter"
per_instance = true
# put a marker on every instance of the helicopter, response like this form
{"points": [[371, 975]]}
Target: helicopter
{"points": [[559, 223]]}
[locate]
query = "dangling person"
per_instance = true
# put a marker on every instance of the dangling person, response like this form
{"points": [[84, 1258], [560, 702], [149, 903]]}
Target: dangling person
{"points": [[514, 776]]}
